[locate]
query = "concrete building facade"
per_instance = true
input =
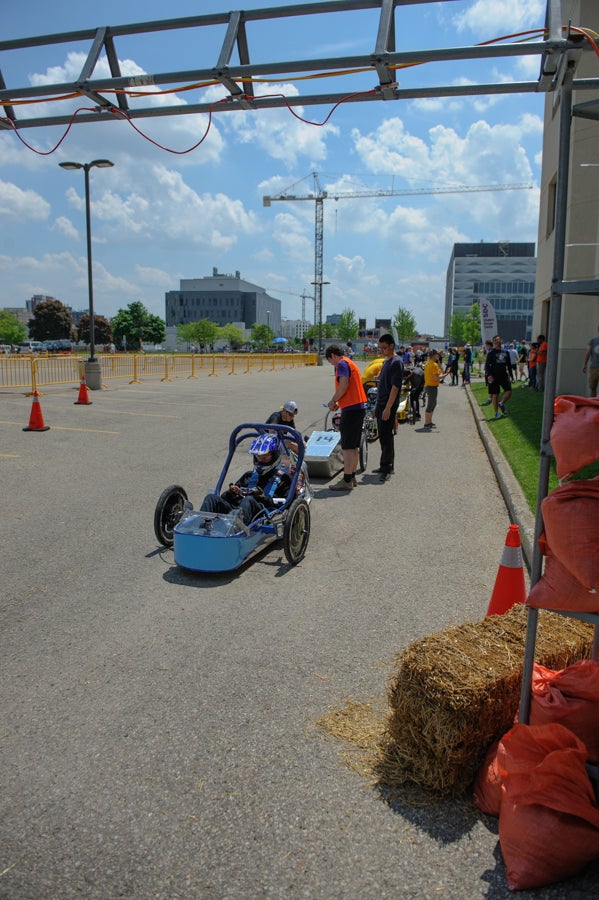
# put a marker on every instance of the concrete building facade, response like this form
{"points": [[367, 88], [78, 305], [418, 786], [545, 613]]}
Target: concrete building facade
{"points": [[579, 317], [222, 299], [502, 273]]}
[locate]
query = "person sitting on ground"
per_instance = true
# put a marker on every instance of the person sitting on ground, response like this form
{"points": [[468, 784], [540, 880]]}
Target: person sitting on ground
{"points": [[258, 489]]}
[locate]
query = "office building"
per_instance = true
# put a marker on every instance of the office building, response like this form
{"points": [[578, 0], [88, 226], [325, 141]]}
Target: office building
{"points": [[502, 273], [222, 299]]}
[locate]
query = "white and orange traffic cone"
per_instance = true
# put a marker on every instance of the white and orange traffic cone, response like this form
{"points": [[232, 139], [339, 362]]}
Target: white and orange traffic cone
{"points": [[83, 398], [36, 419], [509, 585]]}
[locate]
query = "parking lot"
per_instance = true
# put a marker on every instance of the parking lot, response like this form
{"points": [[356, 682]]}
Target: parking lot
{"points": [[157, 733]]}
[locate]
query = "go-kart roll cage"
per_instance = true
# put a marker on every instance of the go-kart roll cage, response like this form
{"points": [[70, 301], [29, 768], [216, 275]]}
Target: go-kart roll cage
{"points": [[251, 430]]}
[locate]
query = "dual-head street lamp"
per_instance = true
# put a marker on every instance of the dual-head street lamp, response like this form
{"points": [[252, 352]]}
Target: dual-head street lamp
{"points": [[100, 164]]}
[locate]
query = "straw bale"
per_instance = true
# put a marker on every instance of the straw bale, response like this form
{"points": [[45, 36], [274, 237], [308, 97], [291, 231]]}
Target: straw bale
{"points": [[453, 693]]}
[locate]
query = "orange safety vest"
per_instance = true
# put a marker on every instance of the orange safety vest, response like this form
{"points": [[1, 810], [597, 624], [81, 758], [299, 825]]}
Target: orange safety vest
{"points": [[355, 393]]}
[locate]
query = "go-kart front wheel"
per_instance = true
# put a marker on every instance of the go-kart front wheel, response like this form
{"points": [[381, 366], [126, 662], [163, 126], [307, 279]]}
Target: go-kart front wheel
{"points": [[297, 531], [168, 512]]}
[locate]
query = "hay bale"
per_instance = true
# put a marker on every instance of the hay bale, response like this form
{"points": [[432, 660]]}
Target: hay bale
{"points": [[455, 692]]}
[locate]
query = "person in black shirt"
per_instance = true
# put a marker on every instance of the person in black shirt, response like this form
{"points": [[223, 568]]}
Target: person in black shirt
{"points": [[387, 401], [499, 374]]}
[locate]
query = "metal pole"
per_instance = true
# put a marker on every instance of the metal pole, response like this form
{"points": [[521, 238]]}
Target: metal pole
{"points": [[553, 335], [90, 284]]}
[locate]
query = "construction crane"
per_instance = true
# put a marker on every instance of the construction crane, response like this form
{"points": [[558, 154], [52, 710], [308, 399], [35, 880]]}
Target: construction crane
{"points": [[303, 297], [318, 196]]}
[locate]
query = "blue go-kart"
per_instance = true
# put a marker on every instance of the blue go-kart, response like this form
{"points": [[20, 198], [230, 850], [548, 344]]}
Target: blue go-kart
{"points": [[220, 542]]}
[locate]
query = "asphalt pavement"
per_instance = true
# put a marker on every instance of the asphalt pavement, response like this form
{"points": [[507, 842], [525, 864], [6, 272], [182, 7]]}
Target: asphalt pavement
{"points": [[157, 732]]}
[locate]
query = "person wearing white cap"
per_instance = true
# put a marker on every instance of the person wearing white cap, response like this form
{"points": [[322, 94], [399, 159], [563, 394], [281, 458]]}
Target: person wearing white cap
{"points": [[285, 416]]}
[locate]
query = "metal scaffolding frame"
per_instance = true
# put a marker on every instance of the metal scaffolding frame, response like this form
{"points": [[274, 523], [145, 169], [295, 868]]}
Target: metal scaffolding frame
{"points": [[122, 97]]}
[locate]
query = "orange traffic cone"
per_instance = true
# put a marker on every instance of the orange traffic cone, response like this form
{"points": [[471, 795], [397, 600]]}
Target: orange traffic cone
{"points": [[83, 398], [36, 419], [509, 585]]}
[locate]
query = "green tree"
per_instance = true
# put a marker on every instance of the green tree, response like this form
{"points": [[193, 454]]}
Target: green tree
{"points": [[11, 330], [404, 322], [185, 333], [137, 326], [347, 326], [204, 331], [262, 335], [232, 335], [472, 325], [51, 321], [457, 328], [328, 332], [102, 330]]}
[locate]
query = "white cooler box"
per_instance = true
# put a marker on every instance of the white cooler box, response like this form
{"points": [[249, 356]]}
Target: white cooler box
{"points": [[323, 454]]}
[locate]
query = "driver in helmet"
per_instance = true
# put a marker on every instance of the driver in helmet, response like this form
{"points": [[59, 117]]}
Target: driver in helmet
{"points": [[257, 489]]}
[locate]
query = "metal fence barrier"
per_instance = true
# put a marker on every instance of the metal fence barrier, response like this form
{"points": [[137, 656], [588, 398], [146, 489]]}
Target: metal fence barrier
{"points": [[33, 372]]}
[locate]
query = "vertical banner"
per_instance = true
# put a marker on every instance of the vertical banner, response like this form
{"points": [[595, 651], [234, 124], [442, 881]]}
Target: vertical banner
{"points": [[488, 321]]}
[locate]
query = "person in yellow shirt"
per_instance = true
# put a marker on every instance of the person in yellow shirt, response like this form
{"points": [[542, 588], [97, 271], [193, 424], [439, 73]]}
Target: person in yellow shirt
{"points": [[432, 380]]}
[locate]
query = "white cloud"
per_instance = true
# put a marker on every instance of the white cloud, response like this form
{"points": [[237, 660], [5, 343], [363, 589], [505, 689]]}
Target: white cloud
{"points": [[278, 132], [176, 134], [64, 224], [494, 19], [290, 234], [22, 205], [486, 153], [155, 277]]}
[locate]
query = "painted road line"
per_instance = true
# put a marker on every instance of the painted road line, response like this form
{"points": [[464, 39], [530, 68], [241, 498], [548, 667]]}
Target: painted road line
{"points": [[65, 428]]}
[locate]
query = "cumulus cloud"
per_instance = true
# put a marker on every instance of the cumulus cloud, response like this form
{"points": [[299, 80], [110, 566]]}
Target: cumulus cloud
{"points": [[22, 205], [486, 153], [175, 133], [64, 224], [485, 19], [154, 277], [278, 132]]}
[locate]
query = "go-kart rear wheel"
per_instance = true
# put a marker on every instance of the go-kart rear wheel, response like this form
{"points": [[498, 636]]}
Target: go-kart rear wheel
{"points": [[297, 531], [168, 512], [363, 456]]}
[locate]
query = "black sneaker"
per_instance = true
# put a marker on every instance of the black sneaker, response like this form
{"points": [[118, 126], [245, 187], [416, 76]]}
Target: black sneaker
{"points": [[381, 471]]}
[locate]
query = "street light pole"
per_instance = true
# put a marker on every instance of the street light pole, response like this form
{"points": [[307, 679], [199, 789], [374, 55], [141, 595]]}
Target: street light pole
{"points": [[318, 293], [92, 366]]}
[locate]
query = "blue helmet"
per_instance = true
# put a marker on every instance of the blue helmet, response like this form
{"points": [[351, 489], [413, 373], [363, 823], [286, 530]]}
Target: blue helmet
{"points": [[263, 444]]}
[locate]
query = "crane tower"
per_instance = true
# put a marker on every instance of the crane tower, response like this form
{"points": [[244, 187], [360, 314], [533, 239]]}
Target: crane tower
{"points": [[318, 195]]}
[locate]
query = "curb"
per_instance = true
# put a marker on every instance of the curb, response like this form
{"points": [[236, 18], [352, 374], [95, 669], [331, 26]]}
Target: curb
{"points": [[512, 493]]}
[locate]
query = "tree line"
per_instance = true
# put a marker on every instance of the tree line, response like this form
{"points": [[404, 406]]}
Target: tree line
{"points": [[52, 321], [135, 326]]}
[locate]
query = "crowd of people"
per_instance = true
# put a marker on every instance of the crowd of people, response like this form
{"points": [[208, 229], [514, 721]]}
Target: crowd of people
{"points": [[420, 372]]}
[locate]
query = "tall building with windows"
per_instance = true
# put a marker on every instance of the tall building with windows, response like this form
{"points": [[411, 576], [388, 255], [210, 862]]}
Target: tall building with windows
{"points": [[502, 273], [222, 299]]}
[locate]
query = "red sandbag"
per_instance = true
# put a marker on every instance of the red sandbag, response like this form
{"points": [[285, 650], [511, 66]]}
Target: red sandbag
{"points": [[569, 697], [557, 588], [487, 784], [571, 519], [575, 433], [549, 819]]}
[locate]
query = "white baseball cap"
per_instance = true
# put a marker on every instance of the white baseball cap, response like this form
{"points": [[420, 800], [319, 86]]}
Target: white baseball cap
{"points": [[290, 406]]}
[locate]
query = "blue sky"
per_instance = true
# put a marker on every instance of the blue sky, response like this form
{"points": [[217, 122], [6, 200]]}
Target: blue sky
{"points": [[158, 217]]}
